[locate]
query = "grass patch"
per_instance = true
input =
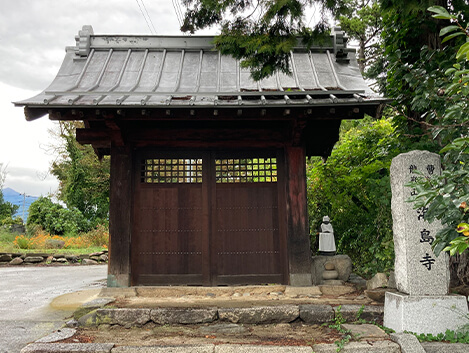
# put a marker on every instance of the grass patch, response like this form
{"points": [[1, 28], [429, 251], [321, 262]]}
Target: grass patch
{"points": [[79, 251], [93, 241]]}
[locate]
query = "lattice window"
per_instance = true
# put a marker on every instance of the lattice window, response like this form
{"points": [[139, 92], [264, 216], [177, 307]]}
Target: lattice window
{"points": [[171, 171], [254, 170]]}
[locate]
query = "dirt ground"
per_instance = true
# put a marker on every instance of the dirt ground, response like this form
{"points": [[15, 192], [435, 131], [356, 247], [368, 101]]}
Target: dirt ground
{"points": [[292, 334]]}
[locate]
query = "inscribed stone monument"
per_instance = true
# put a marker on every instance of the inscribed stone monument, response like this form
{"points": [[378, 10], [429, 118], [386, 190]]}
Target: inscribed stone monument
{"points": [[422, 304], [418, 271]]}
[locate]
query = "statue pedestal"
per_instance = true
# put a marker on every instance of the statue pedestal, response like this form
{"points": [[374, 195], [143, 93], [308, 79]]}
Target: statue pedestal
{"points": [[342, 263], [425, 314]]}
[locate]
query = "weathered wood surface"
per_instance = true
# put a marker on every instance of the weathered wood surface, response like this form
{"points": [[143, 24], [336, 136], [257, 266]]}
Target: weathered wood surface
{"points": [[208, 233], [120, 216], [297, 215]]}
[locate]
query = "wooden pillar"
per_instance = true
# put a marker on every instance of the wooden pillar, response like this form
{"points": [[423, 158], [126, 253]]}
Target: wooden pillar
{"points": [[120, 216], [299, 252]]}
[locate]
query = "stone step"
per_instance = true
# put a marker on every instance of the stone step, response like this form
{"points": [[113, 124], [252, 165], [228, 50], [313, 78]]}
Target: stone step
{"points": [[334, 289], [308, 313], [352, 347]]}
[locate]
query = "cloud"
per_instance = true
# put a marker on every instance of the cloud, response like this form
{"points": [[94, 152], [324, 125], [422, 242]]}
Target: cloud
{"points": [[31, 181], [34, 34], [33, 37]]}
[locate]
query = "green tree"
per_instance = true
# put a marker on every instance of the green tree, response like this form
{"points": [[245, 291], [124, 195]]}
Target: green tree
{"points": [[352, 187], [363, 23], [447, 196], [55, 219], [261, 33], [7, 209], [414, 64], [84, 179]]}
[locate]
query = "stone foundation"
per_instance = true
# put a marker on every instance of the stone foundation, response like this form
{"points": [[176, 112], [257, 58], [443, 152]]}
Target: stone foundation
{"points": [[342, 263], [425, 314]]}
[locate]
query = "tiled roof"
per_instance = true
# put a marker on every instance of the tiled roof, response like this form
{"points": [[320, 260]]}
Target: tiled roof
{"points": [[182, 71]]}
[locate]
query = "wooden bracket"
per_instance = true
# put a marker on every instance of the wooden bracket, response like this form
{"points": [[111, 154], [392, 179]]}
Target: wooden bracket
{"points": [[298, 127], [116, 132]]}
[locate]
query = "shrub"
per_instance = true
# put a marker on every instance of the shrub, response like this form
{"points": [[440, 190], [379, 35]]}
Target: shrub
{"points": [[54, 244], [76, 242], [9, 221], [352, 187], [98, 236], [55, 219], [21, 242], [47, 241]]}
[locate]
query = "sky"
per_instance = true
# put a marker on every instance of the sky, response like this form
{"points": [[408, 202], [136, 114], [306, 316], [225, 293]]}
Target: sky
{"points": [[33, 37]]}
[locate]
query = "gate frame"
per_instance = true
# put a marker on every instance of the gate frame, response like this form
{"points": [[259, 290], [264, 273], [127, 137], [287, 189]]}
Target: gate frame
{"points": [[297, 258], [209, 187]]}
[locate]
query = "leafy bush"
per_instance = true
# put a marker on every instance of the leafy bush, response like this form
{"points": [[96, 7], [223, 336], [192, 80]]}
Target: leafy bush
{"points": [[55, 219], [447, 195], [22, 242], [9, 221], [98, 236], [44, 241], [353, 189]]}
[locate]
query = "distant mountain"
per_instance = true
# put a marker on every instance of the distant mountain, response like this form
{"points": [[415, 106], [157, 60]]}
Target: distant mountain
{"points": [[21, 200]]}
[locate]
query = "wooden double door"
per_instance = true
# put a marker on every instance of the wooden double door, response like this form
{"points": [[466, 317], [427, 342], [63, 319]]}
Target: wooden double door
{"points": [[208, 218]]}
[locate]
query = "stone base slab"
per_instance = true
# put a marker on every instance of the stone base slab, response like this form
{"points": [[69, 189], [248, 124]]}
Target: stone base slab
{"points": [[425, 314]]}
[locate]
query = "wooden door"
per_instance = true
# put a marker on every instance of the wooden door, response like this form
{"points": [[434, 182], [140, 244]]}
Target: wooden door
{"points": [[247, 242], [208, 219], [170, 223]]}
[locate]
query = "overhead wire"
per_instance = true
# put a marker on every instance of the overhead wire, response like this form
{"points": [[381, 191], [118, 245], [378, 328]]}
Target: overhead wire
{"points": [[148, 15], [314, 13], [177, 10], [148, 24]]}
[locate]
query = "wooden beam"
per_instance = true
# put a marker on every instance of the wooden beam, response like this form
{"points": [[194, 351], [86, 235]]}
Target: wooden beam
{"points": [[330, 112], [116, 133], [297, 218], [33, 114], [97, 137], [120, 225], [298, 128]]}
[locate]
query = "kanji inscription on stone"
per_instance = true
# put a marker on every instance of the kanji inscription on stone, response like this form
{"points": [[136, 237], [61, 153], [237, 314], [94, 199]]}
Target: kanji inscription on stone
{"points": [[418, 270]]}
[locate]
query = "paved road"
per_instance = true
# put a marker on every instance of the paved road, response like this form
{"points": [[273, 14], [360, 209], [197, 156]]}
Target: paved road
{"points": [[25, 295]]}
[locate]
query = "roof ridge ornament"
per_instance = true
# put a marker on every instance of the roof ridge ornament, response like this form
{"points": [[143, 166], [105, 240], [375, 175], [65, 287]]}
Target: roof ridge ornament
{"points": [[83, 40], [340, 45]]}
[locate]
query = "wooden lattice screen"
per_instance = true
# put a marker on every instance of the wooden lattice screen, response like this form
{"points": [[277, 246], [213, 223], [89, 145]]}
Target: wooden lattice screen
{"points": [[171, 171], [255, 170]]}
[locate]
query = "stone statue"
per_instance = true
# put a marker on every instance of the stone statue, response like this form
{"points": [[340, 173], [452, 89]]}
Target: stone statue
{"points": [[326, 238]]}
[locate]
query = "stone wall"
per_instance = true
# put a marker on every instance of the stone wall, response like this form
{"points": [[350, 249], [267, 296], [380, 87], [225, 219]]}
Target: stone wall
{"points": [[15, 259]]}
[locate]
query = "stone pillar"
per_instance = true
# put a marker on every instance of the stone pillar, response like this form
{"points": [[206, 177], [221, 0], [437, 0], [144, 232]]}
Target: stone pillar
{"points": [[422, 304], [418, 271]]}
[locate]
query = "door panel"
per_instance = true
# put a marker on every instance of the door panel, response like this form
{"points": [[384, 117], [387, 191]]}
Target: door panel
{"points": [[246, 221], [216, 225], [167, 244]]}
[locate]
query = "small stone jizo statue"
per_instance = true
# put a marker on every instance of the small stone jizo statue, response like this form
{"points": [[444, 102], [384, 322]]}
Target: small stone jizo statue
{"points": [[326, 238]]}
